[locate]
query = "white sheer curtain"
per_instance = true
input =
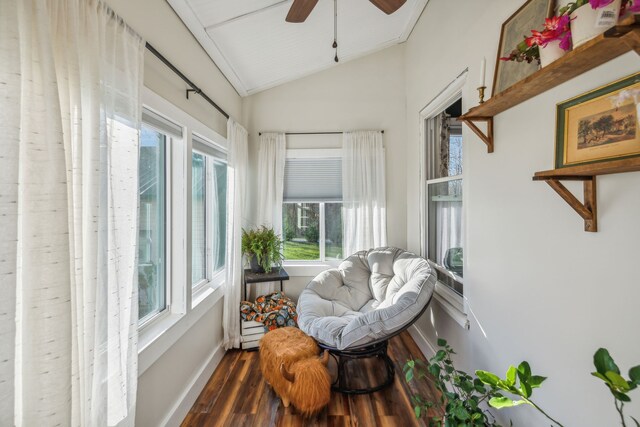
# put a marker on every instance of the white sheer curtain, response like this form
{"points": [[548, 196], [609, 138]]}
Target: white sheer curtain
{"points": [[363, 191], [70, 119], [271, 158], [238, 166]]}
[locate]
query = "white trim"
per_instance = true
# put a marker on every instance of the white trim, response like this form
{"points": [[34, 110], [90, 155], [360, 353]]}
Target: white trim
{"points": [[188, 397], [427, 349], [190, 19], [451, 302], [170, 331], [313, 153], [309, 268]]}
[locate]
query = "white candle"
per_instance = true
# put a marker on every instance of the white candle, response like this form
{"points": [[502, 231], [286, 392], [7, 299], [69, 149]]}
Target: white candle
{"points": [[483, 66]]}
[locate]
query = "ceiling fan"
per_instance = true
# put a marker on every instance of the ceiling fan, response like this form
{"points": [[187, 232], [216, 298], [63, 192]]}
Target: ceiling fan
{"points": [[300, 9]]}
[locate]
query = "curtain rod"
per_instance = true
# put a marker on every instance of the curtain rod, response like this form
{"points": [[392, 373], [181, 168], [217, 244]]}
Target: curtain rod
{"points": [[315, 133], [194, 88]]}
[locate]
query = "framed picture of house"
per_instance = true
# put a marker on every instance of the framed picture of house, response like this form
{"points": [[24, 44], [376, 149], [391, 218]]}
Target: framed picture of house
{"points": [[529, 17], [599, 125]]}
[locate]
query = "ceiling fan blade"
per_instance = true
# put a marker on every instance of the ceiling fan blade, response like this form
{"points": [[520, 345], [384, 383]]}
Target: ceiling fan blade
{"points": [[388, 6], [300, 10]]}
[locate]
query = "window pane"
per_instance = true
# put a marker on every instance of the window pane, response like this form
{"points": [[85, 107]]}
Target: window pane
{"points": [[444, 224], [198, 215], [444, 151], [333, 230], [151, 249], [301, 229], [219, 219]]}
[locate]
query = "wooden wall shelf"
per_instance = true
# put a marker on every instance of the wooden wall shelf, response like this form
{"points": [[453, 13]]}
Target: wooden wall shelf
{"points": [[588, 209], [613, 43]]}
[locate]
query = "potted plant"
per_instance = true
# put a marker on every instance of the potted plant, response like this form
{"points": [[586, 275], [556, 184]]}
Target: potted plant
{"points": [[263, 248], [544, 46], [589, 18]]}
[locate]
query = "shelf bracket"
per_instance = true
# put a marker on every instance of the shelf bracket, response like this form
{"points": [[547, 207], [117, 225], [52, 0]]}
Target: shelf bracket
{"points": [[487, 137], [587, 210]]}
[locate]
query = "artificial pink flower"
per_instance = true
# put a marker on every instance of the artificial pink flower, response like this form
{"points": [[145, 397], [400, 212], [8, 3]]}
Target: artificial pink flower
{"points": [[565, 41], [634, 7], [598, 4]]}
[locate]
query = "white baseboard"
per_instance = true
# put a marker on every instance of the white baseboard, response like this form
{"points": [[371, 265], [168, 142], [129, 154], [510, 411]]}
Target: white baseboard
{"points": [[188, 397], [424, 345]]}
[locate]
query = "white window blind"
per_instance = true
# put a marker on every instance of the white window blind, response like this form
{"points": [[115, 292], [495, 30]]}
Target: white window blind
{"points": [[313, 179], [161, 124], [202, 145]]}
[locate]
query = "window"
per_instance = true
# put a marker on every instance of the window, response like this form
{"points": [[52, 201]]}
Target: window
{"points": [[312, 209], [208, 212], [444, 248], [155, 137]]}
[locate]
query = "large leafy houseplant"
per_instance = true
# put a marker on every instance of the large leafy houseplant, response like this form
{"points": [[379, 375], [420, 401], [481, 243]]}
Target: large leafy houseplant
{"points": [[263, 247], [463, 395], [608, 371]]}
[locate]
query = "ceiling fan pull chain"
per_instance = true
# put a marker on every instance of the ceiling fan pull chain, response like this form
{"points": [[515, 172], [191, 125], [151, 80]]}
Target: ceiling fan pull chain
{"points": [[335, 28]]}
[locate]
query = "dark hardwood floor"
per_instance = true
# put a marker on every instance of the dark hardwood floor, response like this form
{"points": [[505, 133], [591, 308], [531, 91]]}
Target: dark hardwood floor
{"points": [[236, 395]]}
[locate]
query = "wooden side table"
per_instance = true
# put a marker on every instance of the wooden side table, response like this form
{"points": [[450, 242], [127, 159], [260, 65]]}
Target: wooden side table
{"points": [[252, 331]]}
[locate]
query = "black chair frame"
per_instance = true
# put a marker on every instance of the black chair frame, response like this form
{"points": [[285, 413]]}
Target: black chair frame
{"points": [[377, 349]]}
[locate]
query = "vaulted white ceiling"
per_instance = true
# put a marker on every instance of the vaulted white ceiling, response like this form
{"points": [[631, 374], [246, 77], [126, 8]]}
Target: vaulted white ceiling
{"points": [[256, 49]]}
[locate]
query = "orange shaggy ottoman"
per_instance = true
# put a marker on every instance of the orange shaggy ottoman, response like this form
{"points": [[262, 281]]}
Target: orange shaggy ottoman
{"points": [[290, 364]]}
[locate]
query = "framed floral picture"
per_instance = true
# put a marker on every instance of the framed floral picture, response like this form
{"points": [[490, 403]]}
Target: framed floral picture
{"points": [[599, 125], [530, 16]]}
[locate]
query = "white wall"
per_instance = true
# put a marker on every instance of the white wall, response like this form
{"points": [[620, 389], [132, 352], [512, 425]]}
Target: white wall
{"points": [[167, 389], [541, 289], [364, 94]]}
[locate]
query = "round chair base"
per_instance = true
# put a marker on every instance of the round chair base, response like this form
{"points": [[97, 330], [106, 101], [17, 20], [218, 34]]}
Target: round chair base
{"points": [[341, 357]]}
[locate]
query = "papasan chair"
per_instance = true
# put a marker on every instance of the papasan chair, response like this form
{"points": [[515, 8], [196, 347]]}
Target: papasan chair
{"points": [[353, 310]]}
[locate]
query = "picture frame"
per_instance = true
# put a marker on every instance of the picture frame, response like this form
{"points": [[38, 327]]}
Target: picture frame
{"points": [[529, 16], [599, 125]]}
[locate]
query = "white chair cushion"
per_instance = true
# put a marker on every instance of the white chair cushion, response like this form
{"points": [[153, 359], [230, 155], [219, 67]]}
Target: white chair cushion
{"points": [[369, 297]]}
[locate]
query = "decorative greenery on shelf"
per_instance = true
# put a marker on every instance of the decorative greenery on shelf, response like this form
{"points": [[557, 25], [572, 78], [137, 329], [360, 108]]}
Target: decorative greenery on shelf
{"points": [[462, 395], [608, 371], [263, 244]]}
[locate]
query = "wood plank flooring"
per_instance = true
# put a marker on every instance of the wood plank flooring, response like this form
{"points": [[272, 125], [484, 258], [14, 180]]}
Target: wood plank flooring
{"points": [[236, 395]]}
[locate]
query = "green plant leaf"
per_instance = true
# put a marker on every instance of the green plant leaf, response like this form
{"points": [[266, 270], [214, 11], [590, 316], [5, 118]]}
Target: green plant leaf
{"points": [[604, 362], [409, 375], [442, 342], [634, 374], [417, 410], [525, 370], [440, 355], [602, 377], [536, 380], [620, 396], [461, 413], [511, 375], [504, 402], [488, 378], [617, 380], [525, 389]]}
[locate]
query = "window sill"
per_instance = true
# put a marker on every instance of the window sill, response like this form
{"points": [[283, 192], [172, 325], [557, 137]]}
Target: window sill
{"points": [[155, 339], [308, 268], [452, 303]]}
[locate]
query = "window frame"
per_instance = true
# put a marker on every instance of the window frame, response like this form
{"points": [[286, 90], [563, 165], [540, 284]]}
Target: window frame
{"points": [[185, 306], [213, 278], [158, 316], [314, 153], [451, 301]]}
